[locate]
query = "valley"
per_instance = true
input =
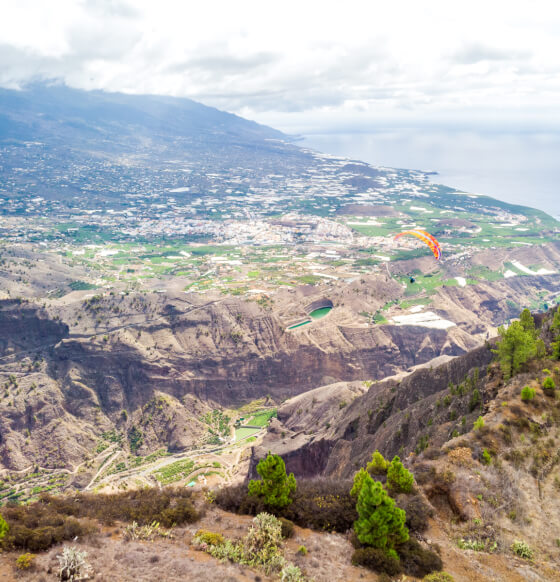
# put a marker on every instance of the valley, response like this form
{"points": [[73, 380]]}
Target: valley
{"points": [[182, 291]]}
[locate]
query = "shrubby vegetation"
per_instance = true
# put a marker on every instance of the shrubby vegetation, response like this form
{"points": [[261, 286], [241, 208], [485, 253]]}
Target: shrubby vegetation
{"points": [[320, 504], [522, 549], [549, 387], [527, 394], [73, 564], [438, 577], [52, 520], [25, 561], [260, 548]]}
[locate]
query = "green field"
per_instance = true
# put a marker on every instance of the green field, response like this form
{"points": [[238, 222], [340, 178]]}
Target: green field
{"points": [[174, 471], [261, 418], [243, 432]]}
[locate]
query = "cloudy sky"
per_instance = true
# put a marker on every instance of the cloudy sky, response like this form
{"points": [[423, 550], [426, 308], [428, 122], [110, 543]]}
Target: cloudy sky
{"points": [[302, 65]]}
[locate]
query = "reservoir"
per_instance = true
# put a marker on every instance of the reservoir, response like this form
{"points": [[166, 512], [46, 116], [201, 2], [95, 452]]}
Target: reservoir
{"points": [[315, 314]]}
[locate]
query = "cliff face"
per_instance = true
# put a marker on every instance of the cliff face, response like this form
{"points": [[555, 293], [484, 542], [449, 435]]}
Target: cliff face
{"points": [[339, 426], [25, 327]]}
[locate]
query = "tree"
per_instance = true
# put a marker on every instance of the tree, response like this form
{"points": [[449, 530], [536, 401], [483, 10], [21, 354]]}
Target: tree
{"points": [[514, 348], [380, 523], [549, 386], [276, 486], [358, 482], [399, 479], [527, 322], [378, 465], [556, 350], [475, 399], [527, 394], [555, 326], [4, 527], [540, 349]]}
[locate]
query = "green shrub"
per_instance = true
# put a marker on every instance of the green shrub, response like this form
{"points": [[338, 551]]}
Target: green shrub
{"points": [[275, 486], [259, 548], [478, 423], [208, 538], [378, 465], [148, 532], [4, 527], [522, 549], [486, 457], [380, 523], [417, 513], [469, 544], [25, 561], [377, 560], [549, 386], [302, 550], [291, 573], [399, 479], [318, 503], [527, 394], [52, 520], [287, 527], [438, 577], [40, 531], [417, 561]]}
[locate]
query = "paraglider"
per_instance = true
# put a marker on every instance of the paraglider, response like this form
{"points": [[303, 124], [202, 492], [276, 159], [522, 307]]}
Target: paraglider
{"points": [[425, 237]]}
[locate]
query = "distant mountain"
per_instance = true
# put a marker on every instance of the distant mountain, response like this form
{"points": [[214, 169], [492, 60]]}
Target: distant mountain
{"points": [[58, 114], [62, 143]]}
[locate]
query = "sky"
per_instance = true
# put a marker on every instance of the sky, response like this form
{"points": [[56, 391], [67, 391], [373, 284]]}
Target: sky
{"points": [[306, 65]]}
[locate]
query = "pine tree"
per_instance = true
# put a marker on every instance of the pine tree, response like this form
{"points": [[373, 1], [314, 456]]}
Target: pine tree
{"points": [[276, 486], [4, 527], [527, 322], [358, 482], [514, 348], [380, 524], [475, 399], [555, 326], [378, 465], [399, 479]]}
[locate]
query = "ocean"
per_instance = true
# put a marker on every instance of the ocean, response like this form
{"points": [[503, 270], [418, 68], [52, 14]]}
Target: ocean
{"points": [[521, 167]]}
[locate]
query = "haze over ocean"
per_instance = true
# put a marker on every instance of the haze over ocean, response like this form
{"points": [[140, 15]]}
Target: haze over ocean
{"points": [[520, 167]]}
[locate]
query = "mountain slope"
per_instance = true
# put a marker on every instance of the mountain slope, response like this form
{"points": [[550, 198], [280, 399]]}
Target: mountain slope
{"points": [[60, 115]]}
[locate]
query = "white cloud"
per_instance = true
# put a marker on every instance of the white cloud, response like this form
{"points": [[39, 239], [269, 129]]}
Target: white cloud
{"points": [[291, 63]]}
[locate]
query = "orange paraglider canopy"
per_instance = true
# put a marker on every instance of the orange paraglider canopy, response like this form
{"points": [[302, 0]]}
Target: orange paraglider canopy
{"points": [[425, 237]]}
